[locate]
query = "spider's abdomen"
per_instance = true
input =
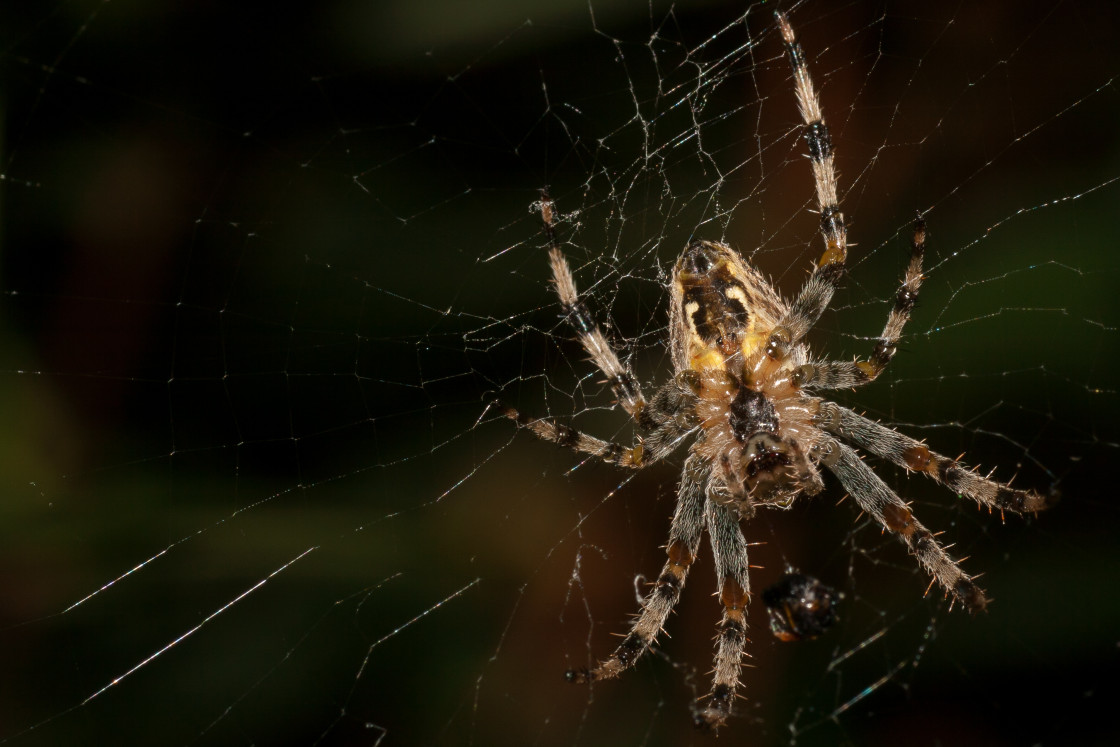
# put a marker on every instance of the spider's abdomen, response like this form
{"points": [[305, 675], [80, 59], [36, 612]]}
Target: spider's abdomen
{"points": [[723, 309]]}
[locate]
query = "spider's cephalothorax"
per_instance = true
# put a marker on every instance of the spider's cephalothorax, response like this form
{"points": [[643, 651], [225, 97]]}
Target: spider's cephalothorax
{"points": [[746, 391]]}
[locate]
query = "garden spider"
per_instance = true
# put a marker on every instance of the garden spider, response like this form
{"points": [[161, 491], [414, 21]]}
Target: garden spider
{"points": [[743, 386]]}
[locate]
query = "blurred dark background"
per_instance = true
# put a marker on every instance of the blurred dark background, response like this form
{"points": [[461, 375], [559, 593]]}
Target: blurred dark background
{"points": [[262, 268]]}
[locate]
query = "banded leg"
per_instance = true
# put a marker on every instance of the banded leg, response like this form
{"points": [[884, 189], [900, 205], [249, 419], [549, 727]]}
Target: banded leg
{"points": [[625, 387], [876, 499], [684, 542], [848, 374], [916, 456], [669, 417], [817, 291], [730, 551], [607, 451]]}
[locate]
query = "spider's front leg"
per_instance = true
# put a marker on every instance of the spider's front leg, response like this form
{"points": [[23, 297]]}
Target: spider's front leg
{"points": [[818, 290], [848, 374], [684, 543], [664, 420], [625, 387]]}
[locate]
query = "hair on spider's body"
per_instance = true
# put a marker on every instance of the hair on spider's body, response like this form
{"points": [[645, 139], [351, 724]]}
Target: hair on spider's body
{"points": [[745, 390]]}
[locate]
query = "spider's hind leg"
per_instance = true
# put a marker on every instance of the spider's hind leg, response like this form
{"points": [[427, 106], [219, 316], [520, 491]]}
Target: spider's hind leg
{"points": [[730, 550], [684, 542]]}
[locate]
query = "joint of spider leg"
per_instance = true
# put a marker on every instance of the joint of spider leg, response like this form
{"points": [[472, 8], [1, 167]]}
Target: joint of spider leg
{"points": [[803, 375], [827, 418], [690, 379], [629, 650], [579, 317], [918, 239], [905, 300], [881, 355], [732, 632], [566, 436], [625, 387], [668, 586], [832, 220], [612, 453], [867, 369], [793, 49], [917, 458], [679, 555], [777, 347], [900, 520], [827, 452], [819, 141], [549, 217], [834, 230], [733, 597]]}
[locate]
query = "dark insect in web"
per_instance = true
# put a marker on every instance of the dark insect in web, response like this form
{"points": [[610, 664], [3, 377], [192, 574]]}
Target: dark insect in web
{"points": [[800, 607]]}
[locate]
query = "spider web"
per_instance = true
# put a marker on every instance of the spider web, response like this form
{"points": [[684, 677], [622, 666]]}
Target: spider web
{"points": [[265, 271]]}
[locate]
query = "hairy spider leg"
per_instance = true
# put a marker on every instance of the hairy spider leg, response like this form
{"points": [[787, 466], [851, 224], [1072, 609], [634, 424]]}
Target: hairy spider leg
{"points": [[684, 542], [730, 551], [625, 386], [848, 374], [876, 499], [818, 290], [917, 457], [668, 420]]}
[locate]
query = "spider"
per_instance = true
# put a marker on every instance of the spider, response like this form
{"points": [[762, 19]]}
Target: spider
{"points": [[746, 390]]}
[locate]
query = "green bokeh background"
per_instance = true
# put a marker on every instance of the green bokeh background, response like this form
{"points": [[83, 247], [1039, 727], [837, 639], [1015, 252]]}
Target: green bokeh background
{"points": [[263, 268]]}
